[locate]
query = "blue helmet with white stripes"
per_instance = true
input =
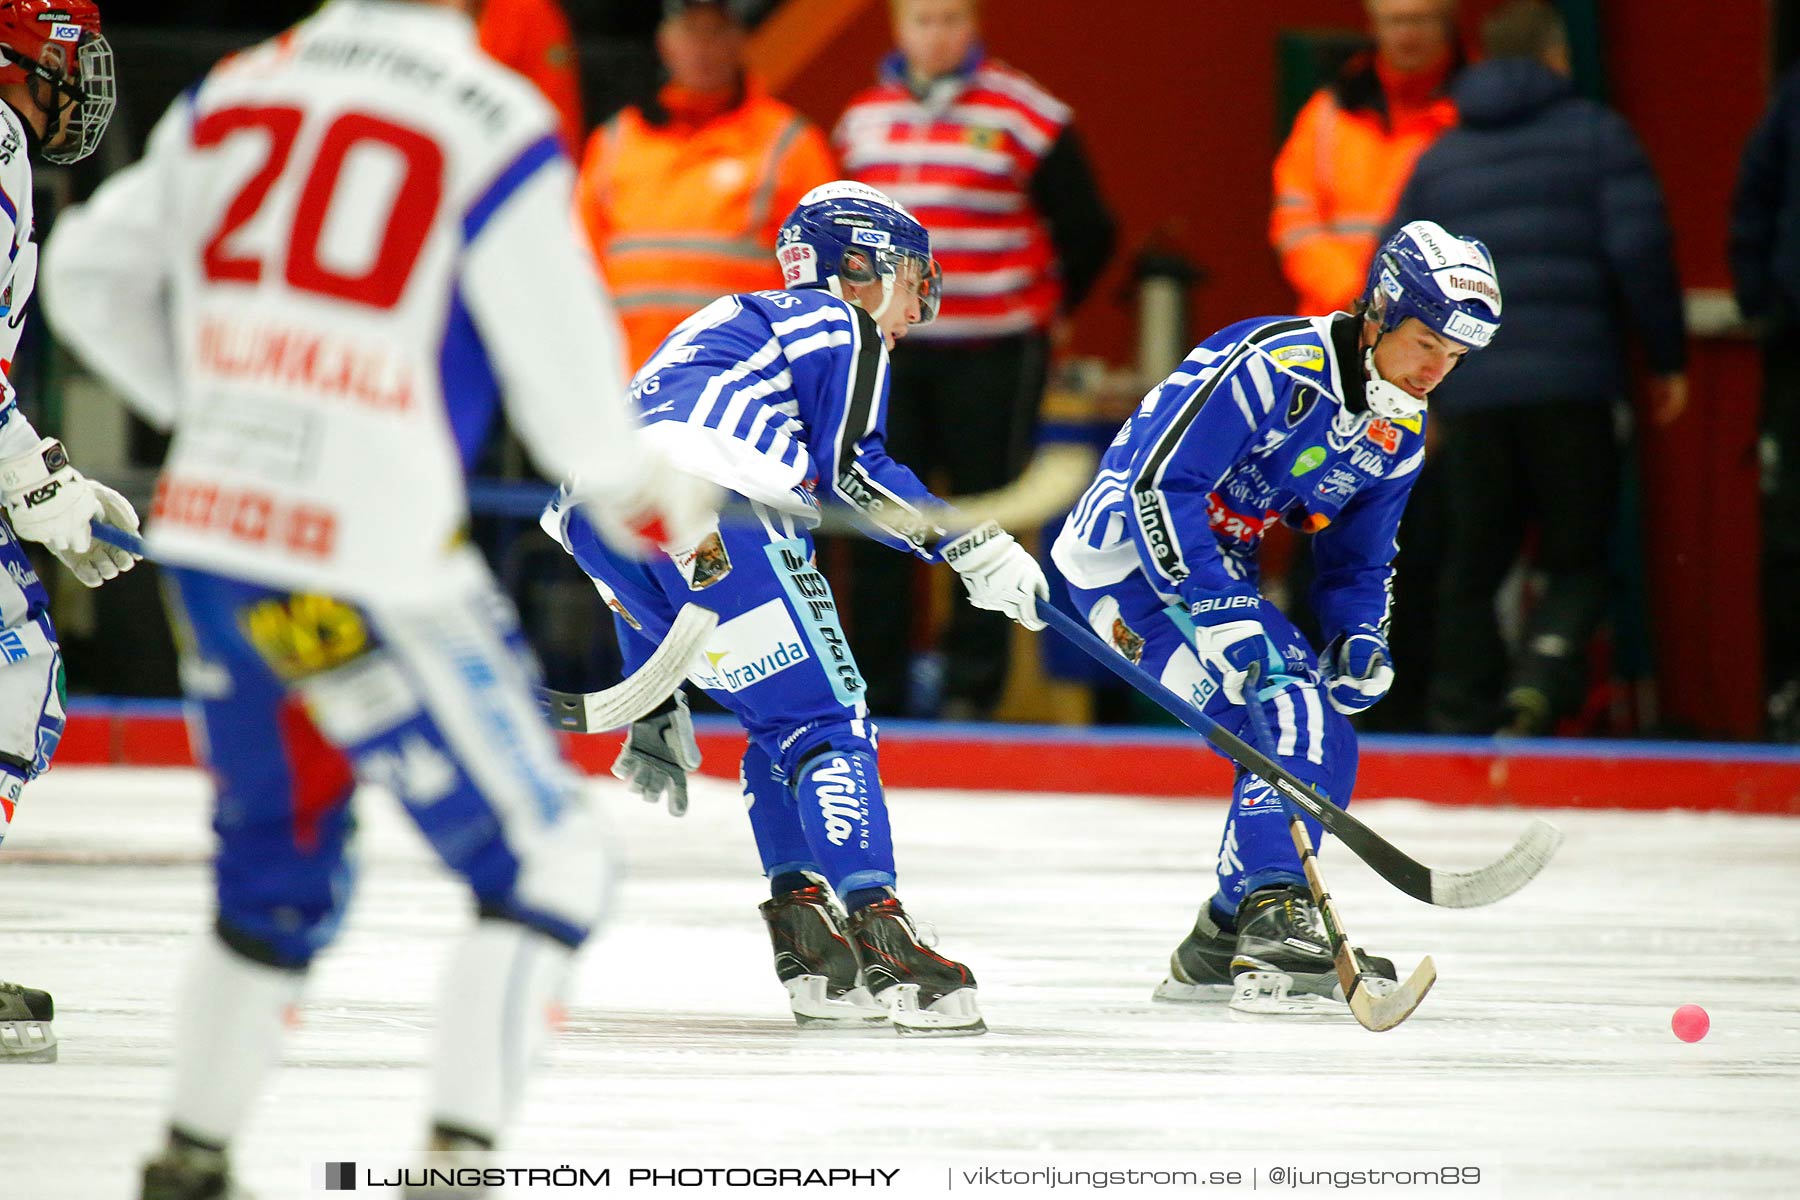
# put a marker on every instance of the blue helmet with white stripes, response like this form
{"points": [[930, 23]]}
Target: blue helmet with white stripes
{"points": [[849, 232], [1448, 282]]}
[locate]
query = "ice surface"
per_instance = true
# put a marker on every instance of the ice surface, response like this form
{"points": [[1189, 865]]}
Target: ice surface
{"points": [[1545, 1047]]}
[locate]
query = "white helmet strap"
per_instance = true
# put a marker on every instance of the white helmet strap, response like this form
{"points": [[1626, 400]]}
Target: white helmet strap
{"points": [[835, 285], [887, 297], [1387, 400]]}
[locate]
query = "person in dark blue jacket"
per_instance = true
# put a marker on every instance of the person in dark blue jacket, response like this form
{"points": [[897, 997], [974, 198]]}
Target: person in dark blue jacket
{"points": [[1560, 190], [1765, 269]]}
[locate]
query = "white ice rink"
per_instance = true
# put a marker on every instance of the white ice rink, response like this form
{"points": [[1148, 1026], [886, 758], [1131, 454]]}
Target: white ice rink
{"points": [[1545, 1048]]}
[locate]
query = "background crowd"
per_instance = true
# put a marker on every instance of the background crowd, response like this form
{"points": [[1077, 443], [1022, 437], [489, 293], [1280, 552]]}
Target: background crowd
{"points": [[1526, 599]]}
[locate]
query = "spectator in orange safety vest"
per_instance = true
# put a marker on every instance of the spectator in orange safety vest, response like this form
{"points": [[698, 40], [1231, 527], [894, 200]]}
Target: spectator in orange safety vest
{"points": [[682, 196], [1353, 147], [533, 38]]}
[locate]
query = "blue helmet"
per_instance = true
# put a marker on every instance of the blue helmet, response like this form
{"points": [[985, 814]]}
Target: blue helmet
{"points": [[851, 232], [1448, 282]]}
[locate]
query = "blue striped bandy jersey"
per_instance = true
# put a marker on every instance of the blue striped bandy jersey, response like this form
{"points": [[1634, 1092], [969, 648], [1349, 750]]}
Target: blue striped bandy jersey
{"points": [[1263, 422], [781, 397]]}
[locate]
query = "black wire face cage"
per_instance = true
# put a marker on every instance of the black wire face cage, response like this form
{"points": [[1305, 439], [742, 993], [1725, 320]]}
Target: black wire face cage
{"points": [[89, 96]]}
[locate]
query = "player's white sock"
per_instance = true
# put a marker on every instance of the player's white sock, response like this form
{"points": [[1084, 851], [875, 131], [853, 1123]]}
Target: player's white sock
{"points": [[230, 1019], [500, 998]]}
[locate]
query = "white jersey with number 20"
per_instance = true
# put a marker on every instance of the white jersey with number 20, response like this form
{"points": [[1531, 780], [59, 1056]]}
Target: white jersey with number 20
{"points": [[340, 252]]}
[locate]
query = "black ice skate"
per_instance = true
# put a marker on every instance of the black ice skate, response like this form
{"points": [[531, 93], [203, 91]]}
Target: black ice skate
{"points": [[187, 1170], [1283, 962], [25, 1033], [925, 993], [1200, 968], [816, 961]]}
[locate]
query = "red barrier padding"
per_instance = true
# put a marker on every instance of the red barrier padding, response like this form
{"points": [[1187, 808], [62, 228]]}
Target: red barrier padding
{"points": [[1461, 771]]}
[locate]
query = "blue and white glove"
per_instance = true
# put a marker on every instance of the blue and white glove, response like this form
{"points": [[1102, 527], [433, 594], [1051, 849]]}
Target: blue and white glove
{"points": [[1229, 637], [1357, 671], [659, 752]]}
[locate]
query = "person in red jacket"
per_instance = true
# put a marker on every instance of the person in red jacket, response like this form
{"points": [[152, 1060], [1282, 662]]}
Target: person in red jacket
{"points": [[533, 38], [990, 162]]}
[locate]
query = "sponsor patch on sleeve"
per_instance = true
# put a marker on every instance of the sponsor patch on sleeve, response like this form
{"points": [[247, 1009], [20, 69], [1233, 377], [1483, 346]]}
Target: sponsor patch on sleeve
{"points": [[1310, 358]]}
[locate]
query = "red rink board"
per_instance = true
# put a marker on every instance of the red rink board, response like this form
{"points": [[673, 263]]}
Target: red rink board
{"points": [[1543, 774]]}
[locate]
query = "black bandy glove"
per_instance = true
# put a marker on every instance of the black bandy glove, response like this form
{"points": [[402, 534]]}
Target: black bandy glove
{"points": [[659, 751]]}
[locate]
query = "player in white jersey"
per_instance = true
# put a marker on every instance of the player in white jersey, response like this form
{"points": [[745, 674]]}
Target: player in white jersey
{"points": [[340, 252], [55, 100]]}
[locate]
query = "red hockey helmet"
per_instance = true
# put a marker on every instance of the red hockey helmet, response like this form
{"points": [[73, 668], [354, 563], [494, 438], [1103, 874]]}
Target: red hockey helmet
{"points": [[55, 48]]}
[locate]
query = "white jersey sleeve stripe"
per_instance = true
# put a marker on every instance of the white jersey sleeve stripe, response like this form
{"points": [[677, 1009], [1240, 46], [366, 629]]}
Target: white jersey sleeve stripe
{"points": [[1315, 725], [702, 414], [808, 320], [1259, 375], [1243, 402], [738, 410], [1284, 714], [801, 347]]}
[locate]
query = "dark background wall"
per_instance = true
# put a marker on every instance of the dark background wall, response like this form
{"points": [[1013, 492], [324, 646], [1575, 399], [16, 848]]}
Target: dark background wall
{"points": [[1178, 100], [1179, 103]]}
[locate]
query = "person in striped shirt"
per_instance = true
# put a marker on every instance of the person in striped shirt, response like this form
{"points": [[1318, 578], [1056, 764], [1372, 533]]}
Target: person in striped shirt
{"points": [[992, 164], [780, 397]]}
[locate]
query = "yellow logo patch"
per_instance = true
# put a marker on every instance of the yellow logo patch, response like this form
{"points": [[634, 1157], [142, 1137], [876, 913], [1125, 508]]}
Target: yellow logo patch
{"points": [[1310, 358], [305, 634]]}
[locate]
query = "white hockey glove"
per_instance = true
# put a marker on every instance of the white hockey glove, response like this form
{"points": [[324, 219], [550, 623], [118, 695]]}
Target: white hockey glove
{"points": [[659, 751], [1229, 637], [653, 506], [49, 501], [999, 574], [1357, 673]]}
